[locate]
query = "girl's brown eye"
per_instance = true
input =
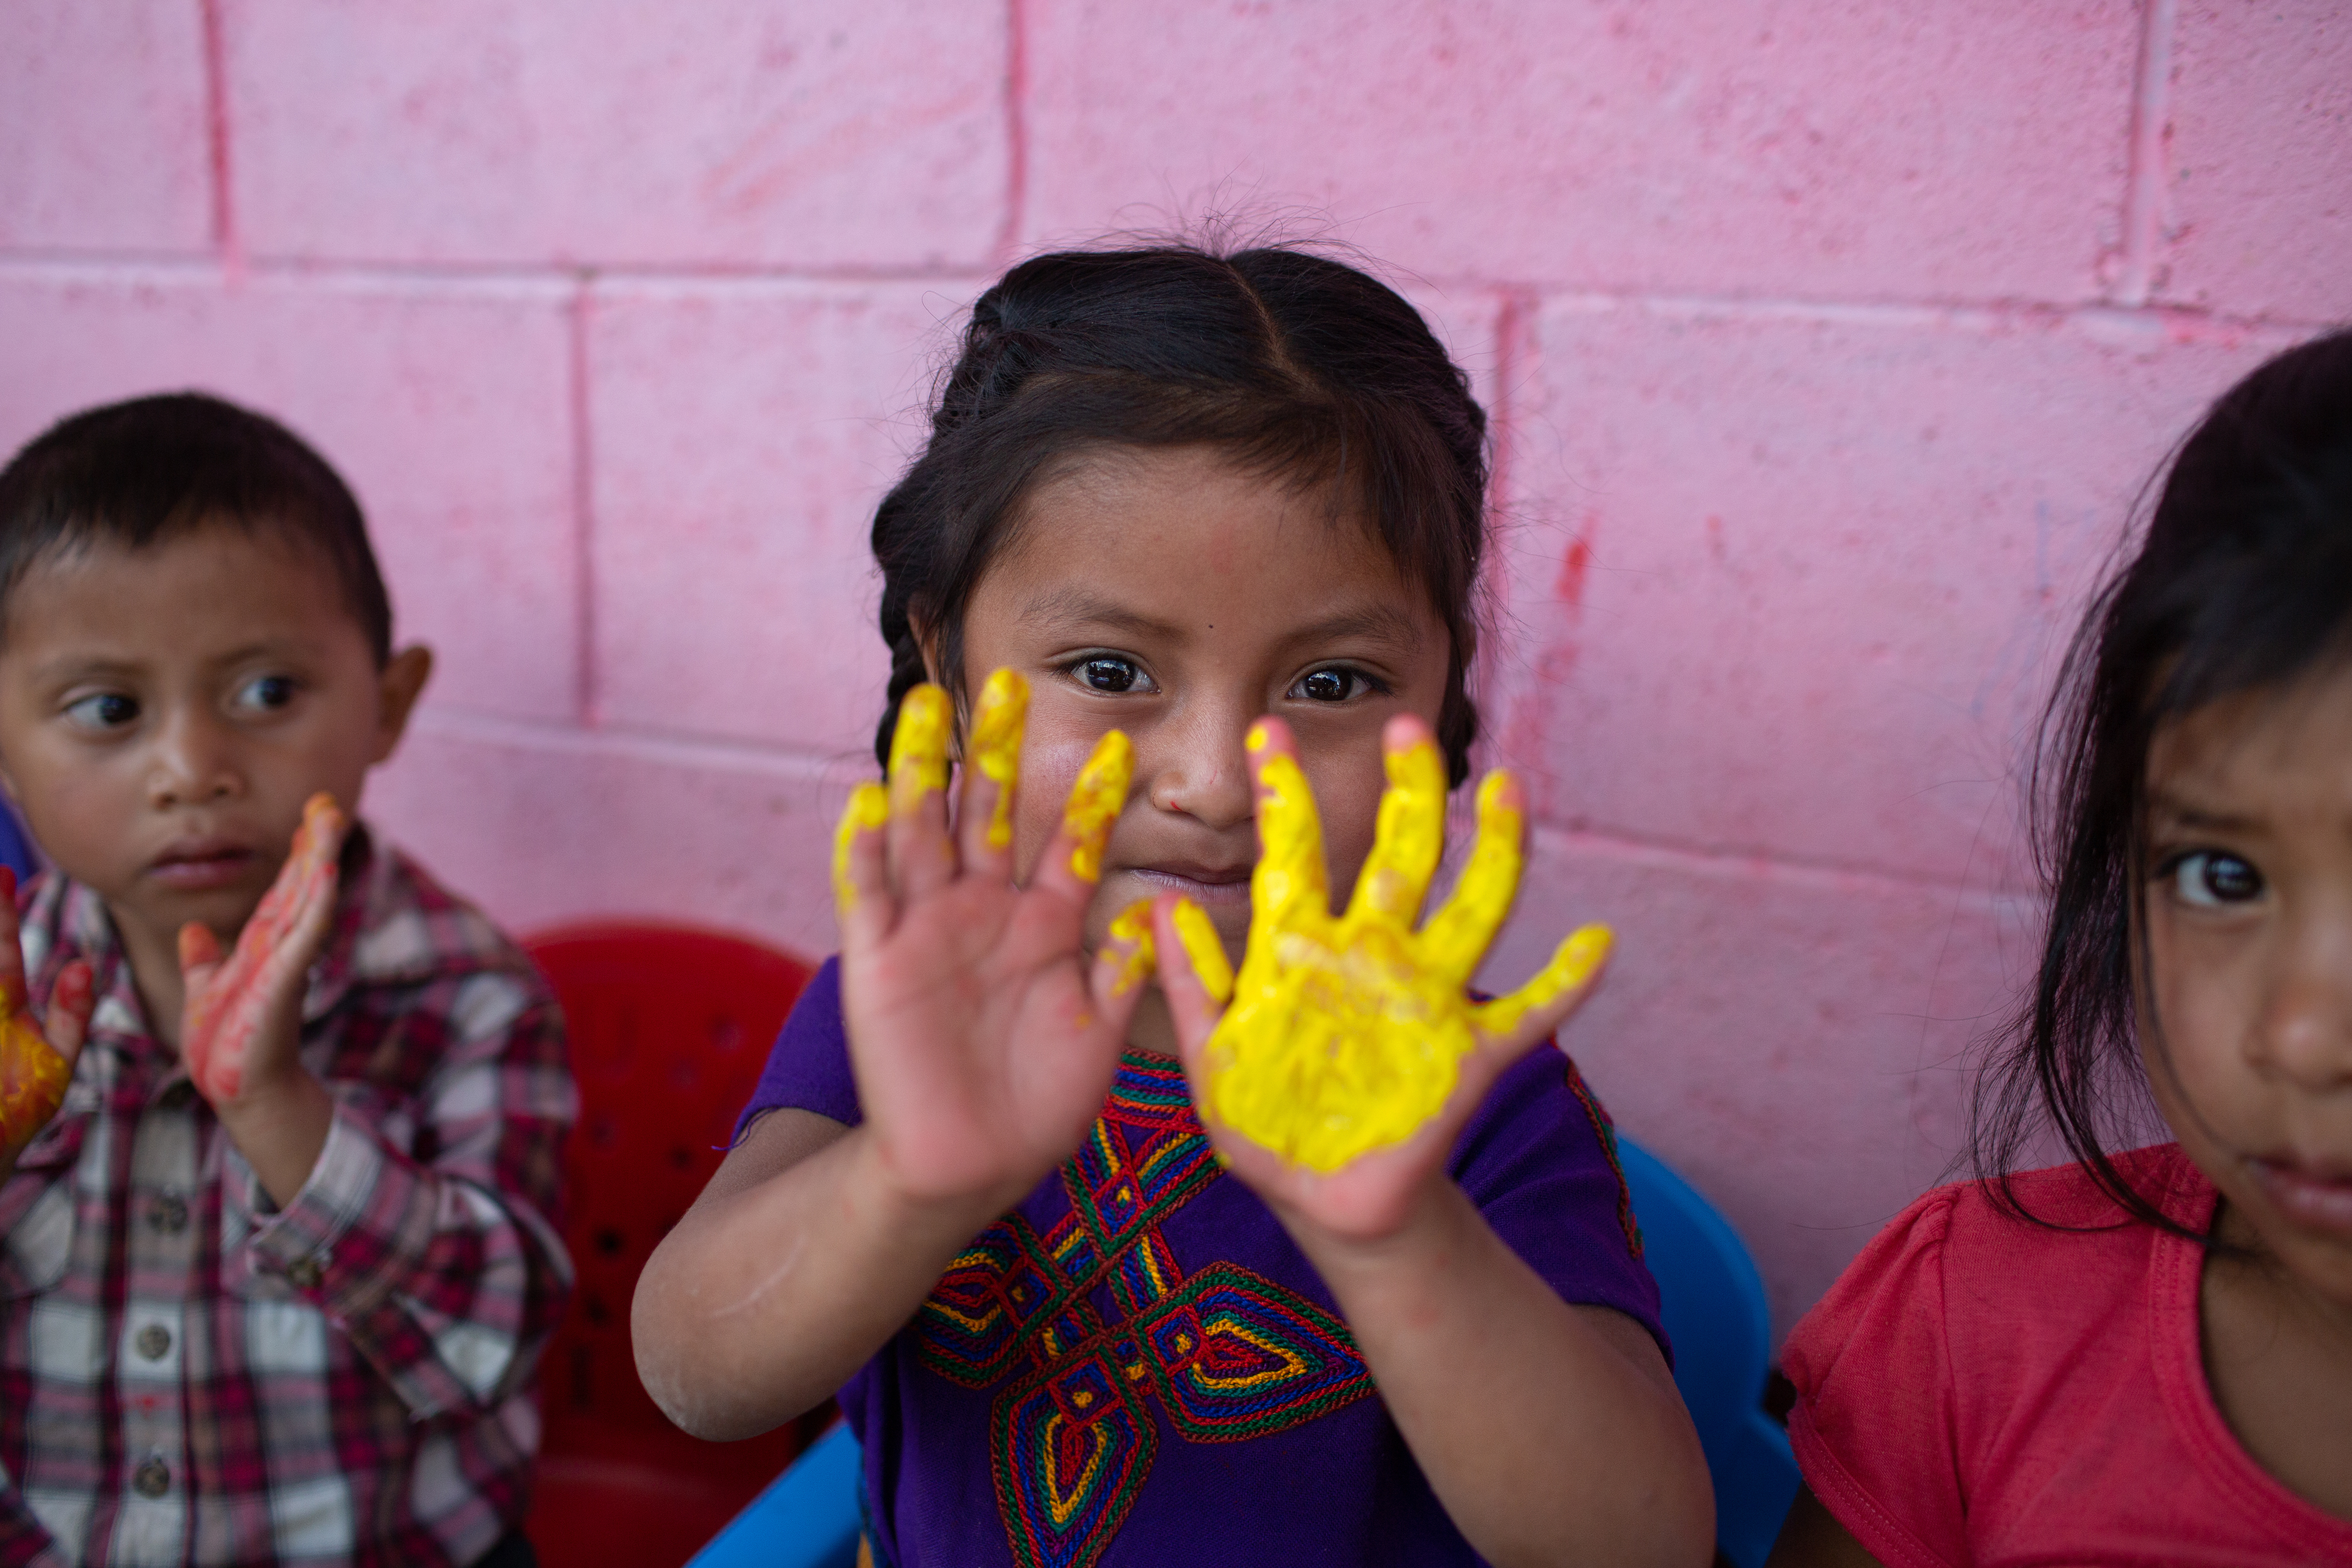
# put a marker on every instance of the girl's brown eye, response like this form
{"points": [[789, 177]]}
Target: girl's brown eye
{"points": [[1329, 685], [1109, 674], [2210, 880]]}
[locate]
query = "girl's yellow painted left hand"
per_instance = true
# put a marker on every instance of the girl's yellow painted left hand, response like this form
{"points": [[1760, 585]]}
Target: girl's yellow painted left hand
{"points": [[1344, 1035]]}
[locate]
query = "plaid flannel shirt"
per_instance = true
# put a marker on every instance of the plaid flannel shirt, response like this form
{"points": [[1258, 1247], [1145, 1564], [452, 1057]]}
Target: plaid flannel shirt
{"points": [[189, 1374]]}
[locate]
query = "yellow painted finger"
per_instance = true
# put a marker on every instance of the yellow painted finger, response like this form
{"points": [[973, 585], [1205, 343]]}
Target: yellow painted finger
{"points": [[1290, 875], [1458, 935], [1130, 937], [995, 750], [1409, 839], [868, 809], [1096, 801], [1205, 949], [1571, 966], [918, 748]]}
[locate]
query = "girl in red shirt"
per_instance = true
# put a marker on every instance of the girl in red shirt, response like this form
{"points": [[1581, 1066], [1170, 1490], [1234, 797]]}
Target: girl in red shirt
{"points": [[2147, 1357]]}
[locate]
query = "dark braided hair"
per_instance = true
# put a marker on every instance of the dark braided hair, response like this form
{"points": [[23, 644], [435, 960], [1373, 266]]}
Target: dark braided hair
{"points": [[1295, 364], [2242, 582]]}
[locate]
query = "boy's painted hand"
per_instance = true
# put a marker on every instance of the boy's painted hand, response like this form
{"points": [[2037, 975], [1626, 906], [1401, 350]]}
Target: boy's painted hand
{"points": [[982, 1038], [36, 1063], [1336, 1069], [240, 1029]]}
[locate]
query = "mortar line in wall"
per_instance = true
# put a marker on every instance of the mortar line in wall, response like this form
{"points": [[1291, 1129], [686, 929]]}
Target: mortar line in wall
{"points": [[1016, 127], [716, 752], [225, 243], [1983, 316], [2151, 155], [1795, 867], [583, 505], [1513, 321]]}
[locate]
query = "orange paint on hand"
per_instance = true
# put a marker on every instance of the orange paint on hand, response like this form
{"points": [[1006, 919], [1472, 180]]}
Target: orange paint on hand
{"points": [[1346, 1035], [33, 1078], [229, 1001]]}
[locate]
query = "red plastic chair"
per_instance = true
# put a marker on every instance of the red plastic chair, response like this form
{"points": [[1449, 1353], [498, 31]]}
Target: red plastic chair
{"points": [[669, 1028]]}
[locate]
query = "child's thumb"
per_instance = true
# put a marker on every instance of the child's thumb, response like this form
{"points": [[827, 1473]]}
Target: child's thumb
{"points": [[200, 952]]}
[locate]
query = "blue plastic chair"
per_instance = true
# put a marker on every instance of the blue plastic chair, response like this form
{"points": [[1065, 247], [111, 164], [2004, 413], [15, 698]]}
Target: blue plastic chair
{"points": [[1715, 1313], [15, 848], [808, 1517], [1722, 1333]]}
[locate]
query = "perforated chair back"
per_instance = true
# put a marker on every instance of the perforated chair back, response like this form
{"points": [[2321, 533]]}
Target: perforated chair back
{"points": [[1721, 1327], [669, 1027]]}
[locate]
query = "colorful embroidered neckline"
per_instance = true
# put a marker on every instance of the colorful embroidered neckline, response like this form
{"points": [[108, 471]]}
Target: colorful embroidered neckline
{"points": [[1228, 1354]]}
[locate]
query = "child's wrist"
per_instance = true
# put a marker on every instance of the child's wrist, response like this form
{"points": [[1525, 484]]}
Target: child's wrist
{"points": [[265, 1105], [900, 1210], [1427, 1232]]}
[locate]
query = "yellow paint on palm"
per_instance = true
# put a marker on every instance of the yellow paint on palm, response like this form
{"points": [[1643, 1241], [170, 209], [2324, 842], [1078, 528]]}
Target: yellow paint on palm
{"points": [[1096, 800], [33, 1078], [868, 808], [1131, 929], [995, 747], [918, 747], [1346, 1033]]}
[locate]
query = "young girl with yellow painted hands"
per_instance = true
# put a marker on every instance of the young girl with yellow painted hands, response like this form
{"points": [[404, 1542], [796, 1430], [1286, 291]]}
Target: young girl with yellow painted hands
{"points": [[1189, 561]]}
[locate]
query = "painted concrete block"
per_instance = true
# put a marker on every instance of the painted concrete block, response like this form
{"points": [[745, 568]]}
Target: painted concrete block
{"points": [[446, 410], [838, 133], [1797, 1044], [2259, 192], [540, 827], [1794, 586], [104, 119], [740, 438], [1814, 148]]}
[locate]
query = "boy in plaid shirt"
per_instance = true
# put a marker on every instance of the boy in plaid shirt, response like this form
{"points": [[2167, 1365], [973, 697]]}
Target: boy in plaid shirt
{"points": [[280, 1163]]}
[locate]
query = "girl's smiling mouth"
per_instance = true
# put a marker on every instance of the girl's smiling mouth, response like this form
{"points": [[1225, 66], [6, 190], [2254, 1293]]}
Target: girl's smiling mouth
{"points": [[1202, 884], [199, 865]]}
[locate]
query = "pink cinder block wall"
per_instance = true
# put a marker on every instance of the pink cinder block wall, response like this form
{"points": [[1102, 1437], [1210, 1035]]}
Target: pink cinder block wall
{"points": [[1828, 344]]}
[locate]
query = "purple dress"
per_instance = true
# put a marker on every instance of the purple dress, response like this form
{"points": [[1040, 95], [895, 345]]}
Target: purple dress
{"points": [[1138, 1366]]}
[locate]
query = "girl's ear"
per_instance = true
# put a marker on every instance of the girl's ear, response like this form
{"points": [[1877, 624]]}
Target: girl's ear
{"points": [[927, 638]]}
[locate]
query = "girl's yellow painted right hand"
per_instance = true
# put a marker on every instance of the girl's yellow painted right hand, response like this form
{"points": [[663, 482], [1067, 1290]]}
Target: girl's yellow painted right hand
{"points": [[982, 1037], [36, 1065]]}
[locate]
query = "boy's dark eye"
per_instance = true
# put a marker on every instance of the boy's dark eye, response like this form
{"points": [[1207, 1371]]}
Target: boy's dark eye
{"points": [[2210, 879], [1331, 685], [1109, 673], [266, 693], [106, 711]]}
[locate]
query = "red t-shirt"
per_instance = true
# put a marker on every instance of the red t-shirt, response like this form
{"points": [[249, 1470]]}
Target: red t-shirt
{"points": [[1979, 1390]]}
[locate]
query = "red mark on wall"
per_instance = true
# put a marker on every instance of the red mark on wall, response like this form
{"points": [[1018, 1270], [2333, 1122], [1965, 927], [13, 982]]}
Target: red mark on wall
{"points": [[1715, 539], [1568, 587]]}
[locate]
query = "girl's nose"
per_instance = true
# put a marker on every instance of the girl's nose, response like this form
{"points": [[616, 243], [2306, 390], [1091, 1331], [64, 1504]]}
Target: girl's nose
{"points": [[193, 762], [1195, 766], [2304, 1031]]}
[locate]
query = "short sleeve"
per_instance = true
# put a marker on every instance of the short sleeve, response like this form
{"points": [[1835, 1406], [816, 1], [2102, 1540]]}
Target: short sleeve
{"points": [[1874, 1424], [1540, 1160], [808, 1068]]}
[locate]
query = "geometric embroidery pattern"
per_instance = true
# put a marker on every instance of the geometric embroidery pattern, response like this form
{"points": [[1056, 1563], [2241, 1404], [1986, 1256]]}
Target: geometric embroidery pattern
{"points": [[1606, 1127], [1094, 1320]]}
